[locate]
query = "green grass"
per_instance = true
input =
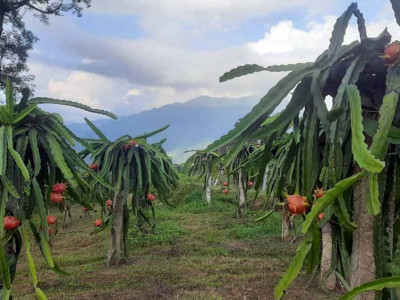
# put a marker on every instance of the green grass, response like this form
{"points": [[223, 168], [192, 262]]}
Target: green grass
{"points": [[193, 202], [166, 233]]}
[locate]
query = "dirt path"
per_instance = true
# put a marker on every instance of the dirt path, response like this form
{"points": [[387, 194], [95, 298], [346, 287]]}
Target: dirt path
{"points": [[195, 254]]}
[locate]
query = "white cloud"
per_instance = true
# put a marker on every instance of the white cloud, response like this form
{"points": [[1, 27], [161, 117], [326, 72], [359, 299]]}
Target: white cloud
{"points": [[217, 12], [80, 85], [290, 44], [129, 94], [285, 38], [129, 75], [88, 61], [183, 21], [133, 92], [87, 88]]}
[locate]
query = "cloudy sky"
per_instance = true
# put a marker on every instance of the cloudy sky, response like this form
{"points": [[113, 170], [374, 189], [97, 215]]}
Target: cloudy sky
{"points": [[131, 55]]}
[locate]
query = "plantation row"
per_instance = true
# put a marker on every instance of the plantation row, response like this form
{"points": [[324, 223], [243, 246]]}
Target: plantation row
{"points": [[337, 170], [40, 169]]}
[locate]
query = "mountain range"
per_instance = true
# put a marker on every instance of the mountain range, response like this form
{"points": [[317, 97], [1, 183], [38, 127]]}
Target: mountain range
{"points": [[193, 124]]}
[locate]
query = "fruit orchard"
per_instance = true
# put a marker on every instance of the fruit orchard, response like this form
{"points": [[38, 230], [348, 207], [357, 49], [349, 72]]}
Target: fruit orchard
{"points": [[329, 177]]}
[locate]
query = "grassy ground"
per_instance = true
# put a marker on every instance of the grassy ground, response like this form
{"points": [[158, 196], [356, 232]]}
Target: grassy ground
{"points": [[198, 252]]}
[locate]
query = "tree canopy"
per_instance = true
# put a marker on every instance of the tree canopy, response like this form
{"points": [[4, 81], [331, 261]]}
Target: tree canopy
{"points": [[16, 40]]}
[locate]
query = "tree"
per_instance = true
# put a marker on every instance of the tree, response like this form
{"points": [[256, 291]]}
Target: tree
{"points": [[351, 151], [242, 171], [203, 163], [36, 152], [16, 40], [14, 47], [133, 167], [273, 160]]}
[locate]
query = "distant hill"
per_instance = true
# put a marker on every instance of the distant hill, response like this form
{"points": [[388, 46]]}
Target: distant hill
{"points": [[193, 124]]}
